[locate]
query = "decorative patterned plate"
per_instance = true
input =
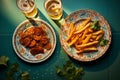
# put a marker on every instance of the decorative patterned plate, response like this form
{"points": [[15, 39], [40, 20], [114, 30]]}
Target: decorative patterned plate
{"points": [[24, 52], [77, 16]]}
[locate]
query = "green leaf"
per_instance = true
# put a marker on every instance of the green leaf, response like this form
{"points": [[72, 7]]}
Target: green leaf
{"points": [[95, 25], [25, 76], [59, 71], [10, 73], [70, 71], [14, 67], [103, 42], [3, 60]]}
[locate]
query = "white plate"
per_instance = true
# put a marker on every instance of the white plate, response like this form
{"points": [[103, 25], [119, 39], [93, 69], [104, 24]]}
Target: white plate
{"points": [[23, 52], [77, 16]]}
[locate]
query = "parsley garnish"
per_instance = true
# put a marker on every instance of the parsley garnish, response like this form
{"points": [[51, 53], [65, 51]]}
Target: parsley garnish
{"points": [[103, 42], [70, 71], [25, 76], [10, 73], [3, 61], [95, 25], [12, 69]]}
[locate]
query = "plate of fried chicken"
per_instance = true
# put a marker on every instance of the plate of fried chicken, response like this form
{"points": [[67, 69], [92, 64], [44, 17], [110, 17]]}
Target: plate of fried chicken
{"points": [[34, 40]]}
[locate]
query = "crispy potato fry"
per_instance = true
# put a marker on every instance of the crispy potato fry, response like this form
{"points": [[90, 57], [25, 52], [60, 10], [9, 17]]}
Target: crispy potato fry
{"points": [[98, 32], [71, 31], [88, 44], [73, 41], [88, 49], [86, 21], [99, 36], [90, 30], [83, 37], [87, 39], [71, 27], [84, 34], [94, 37], [83, 24], [79, 31]]}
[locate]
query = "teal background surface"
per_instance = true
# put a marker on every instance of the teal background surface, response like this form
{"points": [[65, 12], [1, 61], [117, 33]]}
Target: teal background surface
{"points": [[105, 68]]}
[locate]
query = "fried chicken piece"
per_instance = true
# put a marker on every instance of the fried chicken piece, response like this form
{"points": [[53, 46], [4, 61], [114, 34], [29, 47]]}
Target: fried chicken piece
{"points": [[29, 31], [44, 40], [36, 50], [42, 31], [22, 34], [48, 46], [32, 43], [25, 41], [37, 31], [37, 38]]}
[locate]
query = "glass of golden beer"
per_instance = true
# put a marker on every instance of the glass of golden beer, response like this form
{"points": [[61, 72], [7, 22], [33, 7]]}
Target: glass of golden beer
{"points": [[54, 9], [28, 7]]}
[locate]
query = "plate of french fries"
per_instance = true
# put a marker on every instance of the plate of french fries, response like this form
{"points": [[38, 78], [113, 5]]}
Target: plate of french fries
{"points": [[85, 35]]}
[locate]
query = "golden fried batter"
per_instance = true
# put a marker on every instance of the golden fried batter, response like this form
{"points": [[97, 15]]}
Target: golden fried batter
{"points": [[36, 39], [25, 41]]}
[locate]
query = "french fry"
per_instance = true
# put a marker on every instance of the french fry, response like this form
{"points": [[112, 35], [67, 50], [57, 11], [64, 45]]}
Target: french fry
{"points": [[75, 38], [88, 49], [73, 41], [79, 31], [94, 37], [88, 44], [72, 29], [90, 30], [84, 34], [83, 23], [99, 36], [87, 39], [72, 38], [83, 37], [98, 32], [79, 40]]}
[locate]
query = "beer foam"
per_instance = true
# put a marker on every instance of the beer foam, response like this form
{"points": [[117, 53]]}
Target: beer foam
{"points": [[25, 5], [53, 6]]}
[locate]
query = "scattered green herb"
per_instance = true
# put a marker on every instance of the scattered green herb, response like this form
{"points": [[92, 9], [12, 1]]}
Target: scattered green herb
{"points": [[10, 73], [12, 69], [70, 71], [95, 25], [25, 76], [103, 42], [3, 61]]}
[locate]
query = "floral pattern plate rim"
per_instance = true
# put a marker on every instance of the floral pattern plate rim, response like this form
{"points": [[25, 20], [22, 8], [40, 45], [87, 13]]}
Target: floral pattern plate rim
{"points": [[77, 16], [23, 52]]}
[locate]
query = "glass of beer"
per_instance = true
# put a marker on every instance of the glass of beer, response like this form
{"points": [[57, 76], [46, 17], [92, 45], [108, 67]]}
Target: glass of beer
{"points": [[28, 7], [54, 9]]}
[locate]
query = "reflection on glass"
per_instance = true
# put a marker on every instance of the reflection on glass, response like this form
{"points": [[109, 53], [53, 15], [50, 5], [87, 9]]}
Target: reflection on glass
{"points": [[54, 9], [28, 7]]}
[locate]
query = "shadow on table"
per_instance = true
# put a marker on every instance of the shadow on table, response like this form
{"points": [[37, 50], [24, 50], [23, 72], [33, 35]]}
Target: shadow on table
{"points": [[105, 61], [59, 22]]}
